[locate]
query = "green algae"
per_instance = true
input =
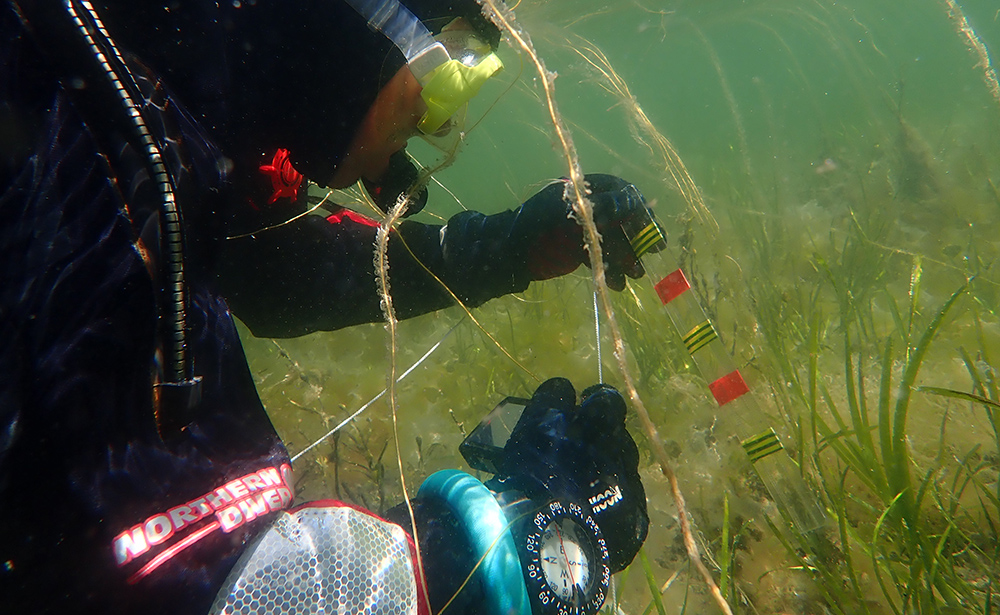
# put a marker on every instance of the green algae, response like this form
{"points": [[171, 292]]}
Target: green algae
{"points": [[841, 222]]}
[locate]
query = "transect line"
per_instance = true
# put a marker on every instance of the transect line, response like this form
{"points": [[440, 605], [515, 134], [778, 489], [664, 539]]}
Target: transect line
{"points": [[584, 216], [377, 397]]}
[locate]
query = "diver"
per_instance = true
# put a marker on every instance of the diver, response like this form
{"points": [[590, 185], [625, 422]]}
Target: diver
{"points": [[153, 162]]}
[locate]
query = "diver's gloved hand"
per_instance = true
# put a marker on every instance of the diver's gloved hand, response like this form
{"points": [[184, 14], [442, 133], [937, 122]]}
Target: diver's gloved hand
{"points": [[583, 453], [398, 179], [555, 240]]}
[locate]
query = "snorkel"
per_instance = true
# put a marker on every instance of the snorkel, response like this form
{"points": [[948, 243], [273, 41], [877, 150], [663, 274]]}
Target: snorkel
{"points": [[450, 68]]}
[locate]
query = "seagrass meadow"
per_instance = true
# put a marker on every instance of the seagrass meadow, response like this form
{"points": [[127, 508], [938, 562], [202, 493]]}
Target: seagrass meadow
{"points": [[828, 178]]}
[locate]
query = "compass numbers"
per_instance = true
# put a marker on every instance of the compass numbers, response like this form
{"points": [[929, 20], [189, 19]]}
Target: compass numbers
{"points": [[531, 543], [541, 520], [567, 560]]}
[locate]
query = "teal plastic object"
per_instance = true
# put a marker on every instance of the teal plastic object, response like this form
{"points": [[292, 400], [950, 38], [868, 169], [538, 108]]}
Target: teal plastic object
{"points": [[486, 530]]}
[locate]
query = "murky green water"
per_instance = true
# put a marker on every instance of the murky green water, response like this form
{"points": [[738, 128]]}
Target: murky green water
{"points": [[850, 154]]}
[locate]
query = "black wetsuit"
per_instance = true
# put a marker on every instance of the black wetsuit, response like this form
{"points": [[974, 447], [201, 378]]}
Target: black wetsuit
{"points": [[93, 492]]}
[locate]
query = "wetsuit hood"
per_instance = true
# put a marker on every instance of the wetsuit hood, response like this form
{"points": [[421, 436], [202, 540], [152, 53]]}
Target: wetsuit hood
{"points": [[268, 74]]}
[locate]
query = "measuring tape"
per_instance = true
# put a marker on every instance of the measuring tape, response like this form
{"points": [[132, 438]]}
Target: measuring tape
{"points": [[761, 443]]}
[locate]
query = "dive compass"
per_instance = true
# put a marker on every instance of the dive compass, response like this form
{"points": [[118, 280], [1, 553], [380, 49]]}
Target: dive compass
{"points": [[563, 554], [565, 560]]}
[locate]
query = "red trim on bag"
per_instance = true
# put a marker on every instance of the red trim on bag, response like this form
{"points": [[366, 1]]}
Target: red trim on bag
{"points": [[423, 602], [330, 503]]}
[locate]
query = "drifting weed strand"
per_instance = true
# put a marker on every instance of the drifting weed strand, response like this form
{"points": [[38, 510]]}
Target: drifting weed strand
{"points": [[382, 280], [583, 210]]}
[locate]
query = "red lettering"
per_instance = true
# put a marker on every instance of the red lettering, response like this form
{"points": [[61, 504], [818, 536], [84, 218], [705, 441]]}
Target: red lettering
{"points": [[273, 500], [158, 529], [258, 505], [237, 488], [252, 507], [219, 498], [201, 506], [233, 503], [182, 515], [286, 496], [130, 544], [270, 477], [230, 518], [253, 482]]}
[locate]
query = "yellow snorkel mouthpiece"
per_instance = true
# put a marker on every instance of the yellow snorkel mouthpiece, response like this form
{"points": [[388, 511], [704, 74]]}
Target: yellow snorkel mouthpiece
{"points": [[451, 85], [451, 67], [456, 81]]}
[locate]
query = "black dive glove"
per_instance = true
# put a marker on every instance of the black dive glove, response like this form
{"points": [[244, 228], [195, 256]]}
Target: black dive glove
{"points": [[554, 241], [395, 181], [582, 452]]}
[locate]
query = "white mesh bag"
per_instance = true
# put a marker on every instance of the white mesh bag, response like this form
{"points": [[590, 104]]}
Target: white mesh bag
{"points": [[325, 560]]}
